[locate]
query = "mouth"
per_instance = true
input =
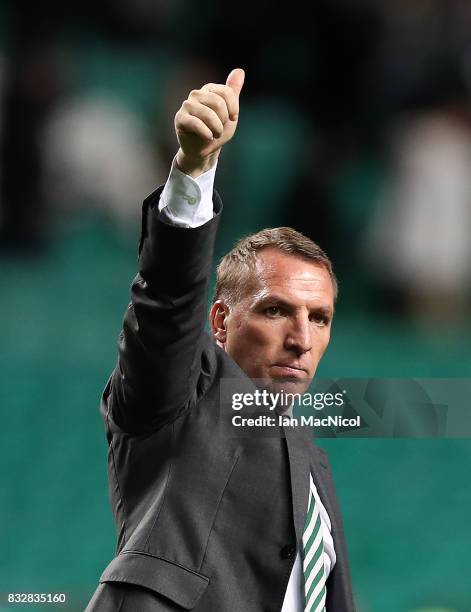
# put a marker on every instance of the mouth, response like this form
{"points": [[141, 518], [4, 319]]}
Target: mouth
{"points": [[286, 370]]}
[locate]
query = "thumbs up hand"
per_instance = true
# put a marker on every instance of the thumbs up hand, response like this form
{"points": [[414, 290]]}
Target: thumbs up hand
{"points": [[207, 120]]}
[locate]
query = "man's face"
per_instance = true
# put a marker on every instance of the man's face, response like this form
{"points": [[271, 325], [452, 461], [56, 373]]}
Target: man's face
{"points": [[280, 332]]}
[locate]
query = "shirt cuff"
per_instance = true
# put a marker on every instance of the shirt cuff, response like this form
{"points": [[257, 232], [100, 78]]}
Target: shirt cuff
{"points": [[188, 202]]}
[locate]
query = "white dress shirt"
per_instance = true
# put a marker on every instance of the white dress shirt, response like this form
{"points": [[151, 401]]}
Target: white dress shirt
{"points": [[188, 202]]}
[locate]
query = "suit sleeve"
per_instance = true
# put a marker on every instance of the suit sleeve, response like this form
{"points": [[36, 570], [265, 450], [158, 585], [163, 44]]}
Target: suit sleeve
{"points": [[160, 346]]}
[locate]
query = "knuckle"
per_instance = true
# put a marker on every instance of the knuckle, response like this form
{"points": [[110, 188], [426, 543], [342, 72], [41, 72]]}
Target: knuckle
{"points": [[216, 118], [179, 117], [191, 120], [220, 104], [211, 97], [206, 113]]}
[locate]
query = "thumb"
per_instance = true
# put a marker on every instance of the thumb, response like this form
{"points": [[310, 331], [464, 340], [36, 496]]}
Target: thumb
{"points": [[235, 80]]}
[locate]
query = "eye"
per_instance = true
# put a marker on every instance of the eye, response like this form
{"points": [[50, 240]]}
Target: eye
{"points": [[273, 311], [319, 319]]}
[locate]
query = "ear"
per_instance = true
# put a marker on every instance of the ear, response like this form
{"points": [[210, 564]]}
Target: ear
{"points": [[217, 320]]}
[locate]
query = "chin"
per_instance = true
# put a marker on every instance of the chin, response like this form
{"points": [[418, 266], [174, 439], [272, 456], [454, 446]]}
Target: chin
{"points": [[287, 385]]}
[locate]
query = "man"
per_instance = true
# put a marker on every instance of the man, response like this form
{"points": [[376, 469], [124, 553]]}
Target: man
{"points": [[210, 519]]}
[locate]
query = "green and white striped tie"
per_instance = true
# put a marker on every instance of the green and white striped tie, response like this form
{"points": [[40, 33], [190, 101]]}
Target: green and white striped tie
{"points": [[313, 562]]}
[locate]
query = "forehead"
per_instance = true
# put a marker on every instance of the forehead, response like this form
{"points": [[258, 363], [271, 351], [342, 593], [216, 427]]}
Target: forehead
{"points": [[292, 276]]}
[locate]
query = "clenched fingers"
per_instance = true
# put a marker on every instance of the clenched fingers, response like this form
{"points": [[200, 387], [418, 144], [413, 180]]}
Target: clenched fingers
{"points": [[209, 117], [226, 92], [189, 124], [212, 100]]}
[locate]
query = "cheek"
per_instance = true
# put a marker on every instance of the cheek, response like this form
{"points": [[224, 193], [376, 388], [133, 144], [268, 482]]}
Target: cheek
{"points": [[251, 341], [321, 341], [326, 342], [259, 334], [267, 336]]}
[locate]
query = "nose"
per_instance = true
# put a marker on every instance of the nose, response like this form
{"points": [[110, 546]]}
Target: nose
{"points": [[298, 338]]}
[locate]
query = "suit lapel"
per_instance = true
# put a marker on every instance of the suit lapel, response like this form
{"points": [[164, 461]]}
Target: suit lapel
{"points": [[299, 463], [304, 459], [339, 592], [320, 475]]}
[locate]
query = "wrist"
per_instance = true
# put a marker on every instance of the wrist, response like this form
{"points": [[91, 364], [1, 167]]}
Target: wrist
{"points": [[194, 167]]}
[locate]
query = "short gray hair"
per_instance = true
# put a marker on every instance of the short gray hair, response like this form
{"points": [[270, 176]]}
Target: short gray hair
{"points": [[236, 270]]}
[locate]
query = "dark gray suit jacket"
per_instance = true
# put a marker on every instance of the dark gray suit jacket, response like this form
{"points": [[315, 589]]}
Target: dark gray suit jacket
{"points": [[208, 519]]}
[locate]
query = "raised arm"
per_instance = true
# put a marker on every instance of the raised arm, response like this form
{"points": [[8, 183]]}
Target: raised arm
{"points": [[161, 342]]}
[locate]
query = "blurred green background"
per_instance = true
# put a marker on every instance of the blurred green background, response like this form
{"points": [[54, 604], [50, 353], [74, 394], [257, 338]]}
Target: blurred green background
{"points": [[95, 89]]}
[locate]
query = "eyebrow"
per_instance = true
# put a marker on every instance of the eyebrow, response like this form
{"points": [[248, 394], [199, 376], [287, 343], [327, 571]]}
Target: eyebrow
{"points": [[273, 298]]}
